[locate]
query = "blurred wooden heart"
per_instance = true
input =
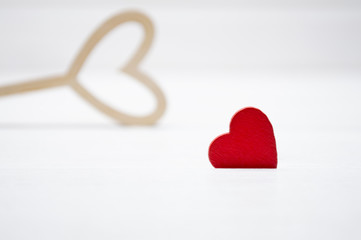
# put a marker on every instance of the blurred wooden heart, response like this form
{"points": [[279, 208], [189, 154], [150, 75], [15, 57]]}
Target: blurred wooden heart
{"points": [[250, 142], [131, 68]]}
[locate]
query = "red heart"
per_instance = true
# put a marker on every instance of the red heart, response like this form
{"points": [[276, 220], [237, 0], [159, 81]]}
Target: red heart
{"points": [[250, 142]]}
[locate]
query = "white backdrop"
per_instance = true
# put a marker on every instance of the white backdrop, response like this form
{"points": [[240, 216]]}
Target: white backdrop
{"points": [[239, 35], [68, 172]]}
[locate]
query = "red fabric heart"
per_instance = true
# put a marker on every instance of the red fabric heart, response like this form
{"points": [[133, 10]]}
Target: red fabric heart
{"points": [[250, 142]]}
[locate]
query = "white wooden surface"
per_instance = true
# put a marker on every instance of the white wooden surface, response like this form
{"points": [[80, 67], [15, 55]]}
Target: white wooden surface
{"points": [[71, 174]]}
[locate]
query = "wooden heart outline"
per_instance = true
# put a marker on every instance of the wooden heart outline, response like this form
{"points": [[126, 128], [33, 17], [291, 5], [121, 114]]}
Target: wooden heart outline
{"points": [[130, 68]]}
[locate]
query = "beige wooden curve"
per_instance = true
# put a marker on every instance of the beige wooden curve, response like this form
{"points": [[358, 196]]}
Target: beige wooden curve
{"points": [[131, 68]]}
